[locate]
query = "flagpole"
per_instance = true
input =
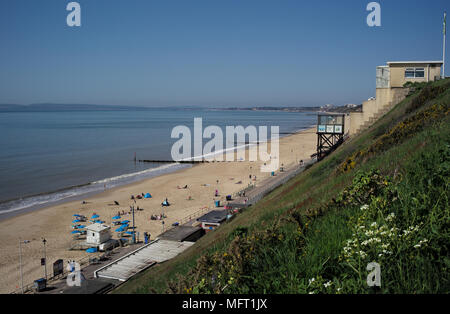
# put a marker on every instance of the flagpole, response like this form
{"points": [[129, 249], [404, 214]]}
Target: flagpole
{"points": [[443, 50]]}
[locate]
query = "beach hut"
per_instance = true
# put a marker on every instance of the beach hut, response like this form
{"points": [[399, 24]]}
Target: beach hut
{"points": [[97, 234], [213, 219]]}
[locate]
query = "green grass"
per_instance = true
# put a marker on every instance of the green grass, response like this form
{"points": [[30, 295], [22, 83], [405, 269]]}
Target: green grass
{"points": [[293, 240]]}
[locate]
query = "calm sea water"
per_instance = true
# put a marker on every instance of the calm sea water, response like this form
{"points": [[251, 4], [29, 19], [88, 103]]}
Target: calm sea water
{"points": [[46, 157]]}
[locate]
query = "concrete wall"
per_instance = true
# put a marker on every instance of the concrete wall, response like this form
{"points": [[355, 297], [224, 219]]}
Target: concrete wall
{"points": [[356, 120], [385, 99]]}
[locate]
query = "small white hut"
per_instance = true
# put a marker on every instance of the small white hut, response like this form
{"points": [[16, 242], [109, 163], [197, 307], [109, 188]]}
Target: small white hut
{"points": [[97, 234]]}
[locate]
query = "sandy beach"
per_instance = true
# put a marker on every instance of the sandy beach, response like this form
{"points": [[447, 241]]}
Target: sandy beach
{"points": [[54, 223]]}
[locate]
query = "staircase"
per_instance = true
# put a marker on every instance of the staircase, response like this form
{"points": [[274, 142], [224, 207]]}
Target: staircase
{"points": [[385, 109], [375, 117]]}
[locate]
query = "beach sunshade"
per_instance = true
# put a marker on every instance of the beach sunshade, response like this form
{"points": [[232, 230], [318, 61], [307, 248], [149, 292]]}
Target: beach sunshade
{"points": [[80, 227], [76, 215], [116, 217], [119, 229], [91, 250], [76, 231], [129, 232], [95, 216], [125, 222], [76, 220], [148, 195], [99, 221]]}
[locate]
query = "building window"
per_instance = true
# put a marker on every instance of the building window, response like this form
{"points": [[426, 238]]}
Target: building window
{"points": [[415, 72]]}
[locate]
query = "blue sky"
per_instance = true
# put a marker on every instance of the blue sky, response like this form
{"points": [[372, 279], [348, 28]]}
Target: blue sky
{"points": [[208, 52]]}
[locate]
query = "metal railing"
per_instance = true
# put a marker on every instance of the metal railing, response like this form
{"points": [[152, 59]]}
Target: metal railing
{"points": [[30, 287]]}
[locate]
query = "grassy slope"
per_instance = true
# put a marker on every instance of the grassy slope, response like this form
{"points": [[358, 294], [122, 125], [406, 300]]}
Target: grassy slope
{"points": [[298, 232]]}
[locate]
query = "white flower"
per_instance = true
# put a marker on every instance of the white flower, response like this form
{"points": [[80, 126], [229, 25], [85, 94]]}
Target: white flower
{"points": [[311, 281], [390, 217], [327, 284], [364, 207]]}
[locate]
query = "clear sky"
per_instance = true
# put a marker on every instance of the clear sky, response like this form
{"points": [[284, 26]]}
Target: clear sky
{"points": [[208, 52]]}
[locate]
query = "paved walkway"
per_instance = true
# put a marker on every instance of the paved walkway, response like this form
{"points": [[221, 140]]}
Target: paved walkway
{"points": [[268, 185]]}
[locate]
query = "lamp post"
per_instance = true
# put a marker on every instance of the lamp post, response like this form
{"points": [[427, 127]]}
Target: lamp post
{"points": [[134, 229], [44, 241], [20, 262], [162, 217]]}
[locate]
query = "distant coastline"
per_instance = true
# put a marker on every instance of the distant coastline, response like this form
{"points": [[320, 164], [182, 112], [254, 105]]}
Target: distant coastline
{"points": [[43, 107]]}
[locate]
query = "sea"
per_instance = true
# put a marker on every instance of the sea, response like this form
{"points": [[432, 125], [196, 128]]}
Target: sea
{"points": [[51, 156]]}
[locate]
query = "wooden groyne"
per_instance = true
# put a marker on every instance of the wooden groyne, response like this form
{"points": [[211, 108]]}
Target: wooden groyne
{"points": [[174, 161]]}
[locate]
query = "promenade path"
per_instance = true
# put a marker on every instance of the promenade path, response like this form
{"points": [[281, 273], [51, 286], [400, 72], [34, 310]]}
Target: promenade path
{"points": [[268, 185]]}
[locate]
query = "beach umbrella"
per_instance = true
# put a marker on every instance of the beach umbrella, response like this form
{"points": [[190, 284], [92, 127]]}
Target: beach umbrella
{"points": [[119, 229], [130, 232], [76, 220], [148, 195], [95, 216], [116, 217], [99, 221], [76, 231], [76, 215], [80, 227], [125, 222], [91, 250]]}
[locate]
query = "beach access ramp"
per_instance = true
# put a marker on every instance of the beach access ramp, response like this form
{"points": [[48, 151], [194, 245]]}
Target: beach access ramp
{"points": [[146, 256]]}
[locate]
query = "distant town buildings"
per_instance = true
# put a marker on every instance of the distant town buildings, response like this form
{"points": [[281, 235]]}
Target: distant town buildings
{"points": [[327, 106]]}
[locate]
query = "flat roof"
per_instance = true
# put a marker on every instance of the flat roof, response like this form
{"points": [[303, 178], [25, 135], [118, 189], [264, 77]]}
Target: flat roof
{"points": [[414, 62], [97, 227], [214, 216], [179, 233]]}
